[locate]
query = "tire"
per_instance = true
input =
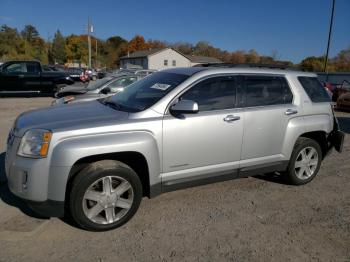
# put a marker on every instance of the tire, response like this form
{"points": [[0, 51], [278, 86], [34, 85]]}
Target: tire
{"points": [[95, 191], [308, 169]]}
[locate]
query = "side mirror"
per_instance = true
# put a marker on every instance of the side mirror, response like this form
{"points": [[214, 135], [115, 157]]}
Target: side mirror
{"points": [[184, 107], [106, 90]]}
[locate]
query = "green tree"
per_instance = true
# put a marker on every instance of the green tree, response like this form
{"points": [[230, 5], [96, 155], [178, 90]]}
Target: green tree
{"points": [[112, 50], [341, 62], [313, 64], [11, 43], [76, 49], [58, 48], [29, 33]]}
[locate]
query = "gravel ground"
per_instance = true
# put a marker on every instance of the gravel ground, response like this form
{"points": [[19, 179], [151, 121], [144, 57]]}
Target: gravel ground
{"points": [[251, 219]]}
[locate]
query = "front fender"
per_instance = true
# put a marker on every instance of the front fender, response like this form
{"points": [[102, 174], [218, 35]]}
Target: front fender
{"points": [[68, 151]]}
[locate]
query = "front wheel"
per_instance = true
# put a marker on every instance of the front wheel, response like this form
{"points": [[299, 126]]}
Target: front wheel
{"points": [[105, 195], [305, 161]]}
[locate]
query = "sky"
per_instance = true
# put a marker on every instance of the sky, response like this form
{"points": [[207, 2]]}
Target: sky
{"points": [[293, 28]]}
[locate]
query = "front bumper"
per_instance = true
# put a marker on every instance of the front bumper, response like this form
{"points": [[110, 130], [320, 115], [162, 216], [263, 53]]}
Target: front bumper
{"points": [[29, 180]]}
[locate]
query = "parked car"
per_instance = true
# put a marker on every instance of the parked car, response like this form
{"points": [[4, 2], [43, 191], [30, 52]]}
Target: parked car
{"points": [[343, 101], [97, 89], [173, 129], [28, 77], [75, 73]]}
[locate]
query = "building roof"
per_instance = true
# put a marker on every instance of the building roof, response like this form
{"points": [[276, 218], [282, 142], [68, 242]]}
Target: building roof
{"points": [[192, 58], [142, 53], [202, 59]]}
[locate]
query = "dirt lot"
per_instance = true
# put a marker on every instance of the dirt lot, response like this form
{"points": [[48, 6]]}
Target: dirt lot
{"points": [[252, 219]]}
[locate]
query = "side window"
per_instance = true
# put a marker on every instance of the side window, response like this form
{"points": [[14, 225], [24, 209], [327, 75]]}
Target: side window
{"points": [[129, 81], [314, 89], [266, 90], [117, 85], [166, 62], [174, 62], [14, 68], [216, 93], [33, 67]]}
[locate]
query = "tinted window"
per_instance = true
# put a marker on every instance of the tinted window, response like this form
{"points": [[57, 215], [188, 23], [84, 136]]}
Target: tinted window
{"points": [[314, 89], [213, 94], [266, 90], [14, 68], [33, 67]]}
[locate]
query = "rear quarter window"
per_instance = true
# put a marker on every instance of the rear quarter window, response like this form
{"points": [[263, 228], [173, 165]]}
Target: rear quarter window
{"points": [[314, 89]]}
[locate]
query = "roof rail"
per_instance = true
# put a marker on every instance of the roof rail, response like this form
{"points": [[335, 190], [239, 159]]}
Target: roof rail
{"points": [[248, 65]]}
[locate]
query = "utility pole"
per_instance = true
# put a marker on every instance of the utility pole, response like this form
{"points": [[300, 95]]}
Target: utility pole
{"points": [[96, 55], [329, 40], [89, 40]]}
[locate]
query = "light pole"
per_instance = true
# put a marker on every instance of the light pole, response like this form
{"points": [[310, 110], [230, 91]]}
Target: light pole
{"points": [[329, 39], [89, 40]]}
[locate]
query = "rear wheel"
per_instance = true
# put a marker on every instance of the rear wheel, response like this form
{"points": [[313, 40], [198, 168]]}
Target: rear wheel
{"points": [[305, 161], [105, 195]]}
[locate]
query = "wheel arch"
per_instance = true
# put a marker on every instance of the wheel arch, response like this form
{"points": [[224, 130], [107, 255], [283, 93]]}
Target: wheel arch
{"points": [[133, 159]]}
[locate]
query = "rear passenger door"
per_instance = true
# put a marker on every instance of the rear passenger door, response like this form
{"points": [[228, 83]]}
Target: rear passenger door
{"points": [[268, 103]]}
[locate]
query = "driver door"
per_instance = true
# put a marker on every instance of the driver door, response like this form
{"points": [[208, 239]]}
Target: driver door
{"points": [[206, 144], [12, 77]]}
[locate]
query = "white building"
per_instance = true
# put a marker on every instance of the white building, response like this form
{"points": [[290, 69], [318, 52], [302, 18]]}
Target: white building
{"points": [[163, 58]]}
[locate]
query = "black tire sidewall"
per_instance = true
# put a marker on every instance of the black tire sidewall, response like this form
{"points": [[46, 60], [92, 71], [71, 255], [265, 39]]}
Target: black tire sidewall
{"points": [[89, 176], [300, 145]]}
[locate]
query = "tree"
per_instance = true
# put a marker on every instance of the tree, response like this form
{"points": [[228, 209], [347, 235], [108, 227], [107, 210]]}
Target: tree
{"points": [[29, 33], [76, 49], [112, 50], [11, 43], [313, 63], [184, 48], [341, 62], [252, 57], [138, 43], [58, 48], [156, 44], [237, 57]]}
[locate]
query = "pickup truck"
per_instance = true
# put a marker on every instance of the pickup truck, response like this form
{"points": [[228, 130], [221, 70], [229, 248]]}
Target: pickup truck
{"points": [[29, 77]]}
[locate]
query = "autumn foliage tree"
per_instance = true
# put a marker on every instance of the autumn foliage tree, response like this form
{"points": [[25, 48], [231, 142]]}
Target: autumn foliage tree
{"points": [[28, 44]]}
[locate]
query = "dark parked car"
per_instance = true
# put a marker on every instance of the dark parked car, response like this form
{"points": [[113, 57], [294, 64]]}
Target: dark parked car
{"points": [[18, 77], [75, 73]]}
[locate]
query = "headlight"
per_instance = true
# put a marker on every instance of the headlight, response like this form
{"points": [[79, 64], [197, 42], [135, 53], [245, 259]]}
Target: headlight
{"points": [[35, 143]]}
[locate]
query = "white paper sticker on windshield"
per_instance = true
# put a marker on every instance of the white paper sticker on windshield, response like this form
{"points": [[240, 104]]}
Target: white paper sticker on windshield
{"points": [[160, 86]]}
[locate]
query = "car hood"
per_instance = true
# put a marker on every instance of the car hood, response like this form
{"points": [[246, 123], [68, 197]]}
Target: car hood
{"points": [[71, 90], [69, 117], [80, 98]]}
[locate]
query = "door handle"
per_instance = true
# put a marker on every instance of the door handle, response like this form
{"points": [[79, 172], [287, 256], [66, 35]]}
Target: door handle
{"points": [[231, 118], [20, 76], [290, 112]]}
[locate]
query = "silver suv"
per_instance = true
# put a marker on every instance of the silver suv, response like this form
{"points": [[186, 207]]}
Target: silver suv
{"points": [[173, 129]]}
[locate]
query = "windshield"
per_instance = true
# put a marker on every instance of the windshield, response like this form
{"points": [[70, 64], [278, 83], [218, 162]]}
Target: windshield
{"points": [[146, 92], [98, 83]]}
